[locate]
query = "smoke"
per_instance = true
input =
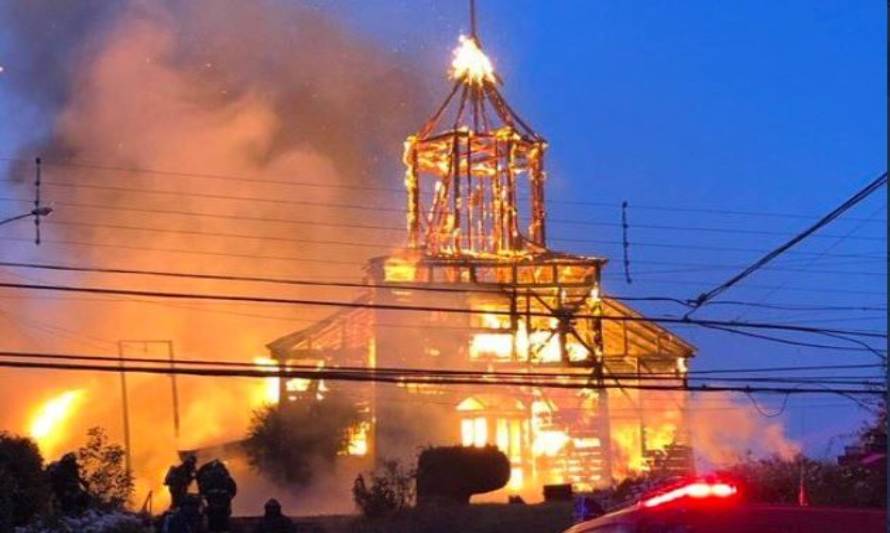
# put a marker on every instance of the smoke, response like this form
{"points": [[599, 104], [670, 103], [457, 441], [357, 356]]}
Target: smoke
{"points": [[724, 430], [265, 92]]}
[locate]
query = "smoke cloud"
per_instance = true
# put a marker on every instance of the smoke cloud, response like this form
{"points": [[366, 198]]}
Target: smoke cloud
{"points": [[267, 93]]}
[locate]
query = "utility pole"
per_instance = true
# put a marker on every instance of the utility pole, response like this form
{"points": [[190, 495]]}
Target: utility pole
{"points": [[143, 347], [38, 210], [125, 408]]}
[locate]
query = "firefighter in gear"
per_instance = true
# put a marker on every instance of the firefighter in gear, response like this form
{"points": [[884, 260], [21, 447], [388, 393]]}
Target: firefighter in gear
{"points": [[178, 480], [68, 488], [185, 518], [217, 488], [273, 521]]}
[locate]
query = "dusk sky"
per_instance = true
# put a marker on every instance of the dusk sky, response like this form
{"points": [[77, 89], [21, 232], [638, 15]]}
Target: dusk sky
{"points": [[727, 127], [693, 112]]}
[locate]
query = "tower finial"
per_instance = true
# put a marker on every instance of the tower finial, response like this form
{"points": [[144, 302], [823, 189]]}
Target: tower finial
{"points": [[473, 33]]}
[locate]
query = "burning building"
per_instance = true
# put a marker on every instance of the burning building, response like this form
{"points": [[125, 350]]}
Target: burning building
{"points": [[475, 178]]}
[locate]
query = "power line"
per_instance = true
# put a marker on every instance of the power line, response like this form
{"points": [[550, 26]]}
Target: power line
{"points": [[827, 219], [400, 229], [879, 352], [378, 246], [793, 307], [399, 307], [364, 207], [388, 246], [399, 190], [291, 281], [788, 368], [810, 261], [336, 375], [272, 369]]}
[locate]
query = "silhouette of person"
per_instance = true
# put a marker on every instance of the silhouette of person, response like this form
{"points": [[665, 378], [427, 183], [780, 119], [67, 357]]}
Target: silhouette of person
{"points": [[217, 487], [178, 479], [67, 486], [186, 517], [273, 521]]}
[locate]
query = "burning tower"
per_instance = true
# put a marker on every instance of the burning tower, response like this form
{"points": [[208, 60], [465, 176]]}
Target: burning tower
{"points": [[475, 178]]}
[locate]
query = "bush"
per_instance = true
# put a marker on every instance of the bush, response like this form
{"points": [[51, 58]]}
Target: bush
{"points": [[777, 480], [24, 491], [104, 472], [455, 473], [92, 521], [285, 442], [391, 490]]}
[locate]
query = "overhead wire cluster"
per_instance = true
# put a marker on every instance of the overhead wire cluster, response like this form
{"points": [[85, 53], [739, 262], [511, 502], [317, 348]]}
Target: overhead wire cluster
{"points": [[560, 379], [854, 339]]}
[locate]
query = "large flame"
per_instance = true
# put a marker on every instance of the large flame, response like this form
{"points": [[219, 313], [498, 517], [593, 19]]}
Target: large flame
{"points": [[543, 345], [268, 394], [48, 422], [470, 62]]}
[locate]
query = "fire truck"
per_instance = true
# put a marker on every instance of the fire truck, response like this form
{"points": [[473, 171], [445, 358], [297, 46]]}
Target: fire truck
{"points": [[710, 505]]}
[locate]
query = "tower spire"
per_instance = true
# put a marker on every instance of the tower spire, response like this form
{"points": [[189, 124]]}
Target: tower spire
{"points": [[473, 33], [470, 162]]}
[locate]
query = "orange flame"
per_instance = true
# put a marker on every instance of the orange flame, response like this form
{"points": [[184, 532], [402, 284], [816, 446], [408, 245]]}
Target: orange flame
{"points": [[268, 394], [470, 62], [48, 422]]}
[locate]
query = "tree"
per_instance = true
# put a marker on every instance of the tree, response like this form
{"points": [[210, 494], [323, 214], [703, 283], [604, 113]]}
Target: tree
{"points": [[24, 491], [287, 441], [104, 471], [391, 490], [827, 483]]}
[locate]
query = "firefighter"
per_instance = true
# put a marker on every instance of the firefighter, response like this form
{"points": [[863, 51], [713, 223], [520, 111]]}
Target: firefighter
{"points": [[217, 487], [273, 521], [178, 480], [185, 518], [67, 486]]}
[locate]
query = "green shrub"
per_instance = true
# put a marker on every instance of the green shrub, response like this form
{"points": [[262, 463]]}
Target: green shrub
{"points": [[104, 472], [391, 491], [24, 491], [286, 442]]}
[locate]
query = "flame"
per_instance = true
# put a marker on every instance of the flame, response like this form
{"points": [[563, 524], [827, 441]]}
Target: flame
{"points": [[470, 63], [474, 431], [542, 344], [398, 269], [48, 423], [626, 442], [549, 442], [268, 394], [358, 439]]}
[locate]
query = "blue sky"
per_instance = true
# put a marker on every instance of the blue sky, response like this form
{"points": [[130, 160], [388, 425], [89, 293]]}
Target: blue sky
{"points": [[767, 107], [744, 120]]}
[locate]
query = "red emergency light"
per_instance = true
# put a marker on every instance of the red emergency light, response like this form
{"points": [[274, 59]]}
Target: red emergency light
{"points": [[695, 490]]}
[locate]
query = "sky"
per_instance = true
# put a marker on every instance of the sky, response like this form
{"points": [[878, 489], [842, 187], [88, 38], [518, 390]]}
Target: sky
{"points": [[691, 112], [727, 127]]}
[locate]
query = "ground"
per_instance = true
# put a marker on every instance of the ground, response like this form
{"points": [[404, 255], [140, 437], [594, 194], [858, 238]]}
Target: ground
{"points": [[479, 518]]}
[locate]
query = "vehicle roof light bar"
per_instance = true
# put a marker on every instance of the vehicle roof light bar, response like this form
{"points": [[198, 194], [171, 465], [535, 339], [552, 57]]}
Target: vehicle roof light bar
{"points": [[696, 490]]}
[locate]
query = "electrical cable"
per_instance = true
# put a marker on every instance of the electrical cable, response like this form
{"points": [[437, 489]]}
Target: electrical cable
{"points": [[398, 307], [334, 375], [272, 369], [328, 185], [837, 212]]}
